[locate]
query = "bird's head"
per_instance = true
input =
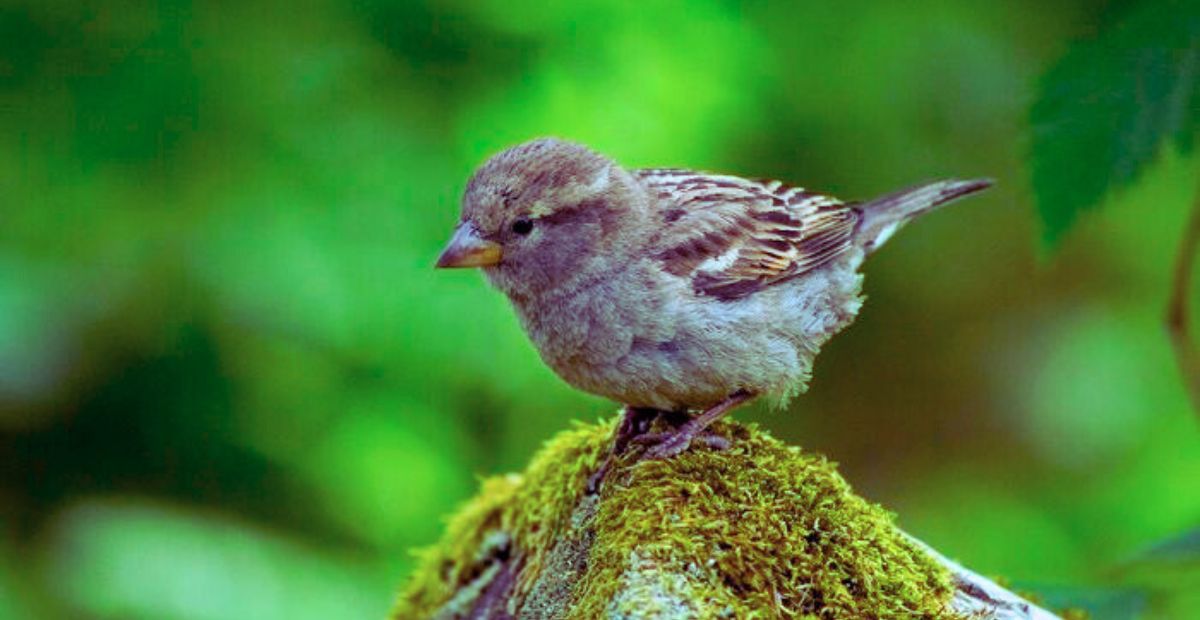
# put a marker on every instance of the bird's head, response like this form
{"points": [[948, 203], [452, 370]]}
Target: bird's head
{"points": [[541, 214]]}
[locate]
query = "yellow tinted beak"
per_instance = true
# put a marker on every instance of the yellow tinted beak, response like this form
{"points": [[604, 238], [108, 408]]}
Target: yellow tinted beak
{"points": [[468, 249]]}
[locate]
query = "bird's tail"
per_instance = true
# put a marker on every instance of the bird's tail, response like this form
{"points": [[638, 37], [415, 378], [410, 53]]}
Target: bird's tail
{"points": [[885, 215]]}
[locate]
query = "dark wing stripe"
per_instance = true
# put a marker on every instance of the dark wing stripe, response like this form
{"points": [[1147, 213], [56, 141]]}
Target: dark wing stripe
{"points": [[788, 233], [767, 259], [781, 245], [673, 214], [725, 290], [735, 236], [776, 217]]}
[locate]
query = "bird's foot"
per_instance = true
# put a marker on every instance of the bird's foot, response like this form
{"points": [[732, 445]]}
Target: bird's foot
{"points": [[671, 443], [635, 422], [668, 444]]}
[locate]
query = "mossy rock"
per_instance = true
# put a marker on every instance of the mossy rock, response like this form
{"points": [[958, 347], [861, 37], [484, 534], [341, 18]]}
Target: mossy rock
{"points": [[758, 530]]}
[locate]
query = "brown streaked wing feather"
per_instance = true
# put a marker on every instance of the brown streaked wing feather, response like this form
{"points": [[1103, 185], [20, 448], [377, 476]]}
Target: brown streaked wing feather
{"points": [[735, 236]]}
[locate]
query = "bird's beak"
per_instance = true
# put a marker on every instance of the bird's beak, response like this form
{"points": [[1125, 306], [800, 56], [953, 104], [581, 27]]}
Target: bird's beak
{"points": [[468, 249]]}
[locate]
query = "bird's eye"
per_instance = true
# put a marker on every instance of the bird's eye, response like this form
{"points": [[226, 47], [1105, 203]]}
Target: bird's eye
{"points": [[522, 226]]}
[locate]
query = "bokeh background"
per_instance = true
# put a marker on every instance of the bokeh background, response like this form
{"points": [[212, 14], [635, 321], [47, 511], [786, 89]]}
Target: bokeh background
{"points": [[232, 386]]}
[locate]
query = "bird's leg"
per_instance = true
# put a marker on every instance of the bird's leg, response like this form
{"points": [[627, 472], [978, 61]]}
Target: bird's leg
{"points": [[635, 421], [671, 443], [676, 419]]}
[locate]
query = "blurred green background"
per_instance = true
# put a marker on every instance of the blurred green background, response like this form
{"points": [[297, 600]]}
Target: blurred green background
{"points": [[232, 386]]}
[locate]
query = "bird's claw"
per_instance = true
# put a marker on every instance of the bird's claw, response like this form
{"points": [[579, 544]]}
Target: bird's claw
{"points": [[669, 444]]}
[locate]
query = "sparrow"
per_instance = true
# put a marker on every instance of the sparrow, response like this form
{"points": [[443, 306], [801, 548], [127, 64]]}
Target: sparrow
{"points": [[671, 290]]}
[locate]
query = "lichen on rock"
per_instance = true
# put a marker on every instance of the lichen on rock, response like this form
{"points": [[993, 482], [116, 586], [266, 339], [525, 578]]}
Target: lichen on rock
{"points": [[757, 530]]}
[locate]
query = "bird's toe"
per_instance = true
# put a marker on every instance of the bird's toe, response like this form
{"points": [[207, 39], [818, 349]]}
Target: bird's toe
{"points": [[669, 444]]}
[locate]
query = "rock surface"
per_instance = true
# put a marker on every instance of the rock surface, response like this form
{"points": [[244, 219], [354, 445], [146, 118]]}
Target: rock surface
{"points": [[757, 530]]}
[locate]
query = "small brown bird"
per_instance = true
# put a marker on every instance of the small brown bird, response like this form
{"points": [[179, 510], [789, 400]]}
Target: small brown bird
{"points": [[670, 290]]}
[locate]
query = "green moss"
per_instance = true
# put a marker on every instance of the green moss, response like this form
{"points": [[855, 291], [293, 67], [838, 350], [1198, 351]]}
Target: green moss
{"points": [[758, 530], [444, 568], [532, 510]]}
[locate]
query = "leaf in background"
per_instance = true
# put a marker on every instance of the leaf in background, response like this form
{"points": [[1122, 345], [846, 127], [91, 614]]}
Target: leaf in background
{"points": [[1103, 112], [1100, 603], [23, 44], [137, 110], [1168, 573], [1181, 549]]}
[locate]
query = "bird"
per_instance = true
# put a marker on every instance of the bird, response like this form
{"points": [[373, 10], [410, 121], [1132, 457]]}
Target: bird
{"points": [[673, 292]]}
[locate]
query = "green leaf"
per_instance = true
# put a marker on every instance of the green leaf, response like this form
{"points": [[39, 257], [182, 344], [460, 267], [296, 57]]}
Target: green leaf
{"points": [[1104, 111]]}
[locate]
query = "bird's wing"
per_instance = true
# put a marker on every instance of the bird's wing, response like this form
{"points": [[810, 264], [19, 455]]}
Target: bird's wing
{"points": [[733, 236]]}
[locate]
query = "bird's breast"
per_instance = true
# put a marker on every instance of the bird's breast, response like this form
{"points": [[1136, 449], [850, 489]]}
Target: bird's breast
{"points": [[589, 335]]}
